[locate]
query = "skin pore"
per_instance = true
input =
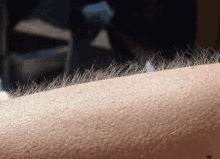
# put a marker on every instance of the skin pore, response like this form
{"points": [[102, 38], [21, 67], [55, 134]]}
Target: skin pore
{"points": [[165, 114]]}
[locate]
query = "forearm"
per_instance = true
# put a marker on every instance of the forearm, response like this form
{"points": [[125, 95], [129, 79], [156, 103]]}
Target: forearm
{"points": [[166, 114]]}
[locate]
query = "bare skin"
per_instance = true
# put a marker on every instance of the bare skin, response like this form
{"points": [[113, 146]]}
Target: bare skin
{"points": [[165, 114]]}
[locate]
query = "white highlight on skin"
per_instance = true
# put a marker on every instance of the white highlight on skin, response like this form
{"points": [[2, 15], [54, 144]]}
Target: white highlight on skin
{"points": [[4, 96]]}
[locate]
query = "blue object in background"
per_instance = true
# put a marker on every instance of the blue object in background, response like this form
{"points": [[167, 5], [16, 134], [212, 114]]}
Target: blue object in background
{"points": [[149, 67], [98, 13]]}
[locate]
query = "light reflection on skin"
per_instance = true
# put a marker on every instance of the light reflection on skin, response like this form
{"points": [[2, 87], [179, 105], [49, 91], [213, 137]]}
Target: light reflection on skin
{"points": [[4, 96]]}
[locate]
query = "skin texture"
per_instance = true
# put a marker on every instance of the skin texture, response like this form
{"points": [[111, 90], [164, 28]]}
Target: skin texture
{"points": [[163, 115]]}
